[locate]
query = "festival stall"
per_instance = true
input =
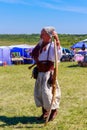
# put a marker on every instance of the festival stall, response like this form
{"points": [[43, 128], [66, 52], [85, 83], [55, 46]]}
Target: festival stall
{"points": [[16, 54], [21, 53]]}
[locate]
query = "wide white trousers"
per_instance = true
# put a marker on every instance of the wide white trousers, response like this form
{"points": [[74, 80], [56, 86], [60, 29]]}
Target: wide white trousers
{"points": [[43, 92]]}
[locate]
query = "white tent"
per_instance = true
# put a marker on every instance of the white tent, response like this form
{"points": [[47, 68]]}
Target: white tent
{"points": [[5, 55], [85, 40]]}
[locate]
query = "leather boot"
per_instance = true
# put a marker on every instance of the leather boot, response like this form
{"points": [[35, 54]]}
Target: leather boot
{"points": [[53, 115], [44, 114]]}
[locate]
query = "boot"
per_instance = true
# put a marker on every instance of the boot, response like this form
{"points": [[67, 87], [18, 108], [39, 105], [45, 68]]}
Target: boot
{"points": [[53, 115], [44, 114]]}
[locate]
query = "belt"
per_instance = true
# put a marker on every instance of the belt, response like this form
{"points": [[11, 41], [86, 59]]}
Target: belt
{"points": [[44, 66]]}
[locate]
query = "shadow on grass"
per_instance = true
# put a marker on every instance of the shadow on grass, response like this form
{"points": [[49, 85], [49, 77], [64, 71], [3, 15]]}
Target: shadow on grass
{"points": [[8, 121], [71, 66]]}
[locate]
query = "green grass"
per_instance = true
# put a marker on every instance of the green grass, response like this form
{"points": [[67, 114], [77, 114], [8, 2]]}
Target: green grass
{"points": [[17, 107]]}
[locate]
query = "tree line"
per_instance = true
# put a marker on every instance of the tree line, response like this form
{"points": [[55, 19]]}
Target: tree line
{"points": [[66, 40]]}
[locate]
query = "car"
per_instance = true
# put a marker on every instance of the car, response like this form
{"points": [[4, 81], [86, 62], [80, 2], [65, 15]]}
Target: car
{"points": [[67, 55]]}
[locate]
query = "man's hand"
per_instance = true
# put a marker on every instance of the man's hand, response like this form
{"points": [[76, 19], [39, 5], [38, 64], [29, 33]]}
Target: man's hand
{"points": [[55, 35]]}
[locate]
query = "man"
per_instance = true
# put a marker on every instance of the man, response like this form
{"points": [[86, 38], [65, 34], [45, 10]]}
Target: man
{"points": [[44, 55]]}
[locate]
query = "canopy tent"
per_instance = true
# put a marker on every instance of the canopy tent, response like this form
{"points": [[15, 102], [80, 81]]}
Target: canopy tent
{"points": [[79, 44], [23, 51], [85, 40], [5, 55]]}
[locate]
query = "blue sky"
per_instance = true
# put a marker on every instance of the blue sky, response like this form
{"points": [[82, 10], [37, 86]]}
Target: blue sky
{"points": [[30, 16]]}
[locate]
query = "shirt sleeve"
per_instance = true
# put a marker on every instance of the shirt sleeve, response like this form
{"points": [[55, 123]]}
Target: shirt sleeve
{"points": [[52, 53]]}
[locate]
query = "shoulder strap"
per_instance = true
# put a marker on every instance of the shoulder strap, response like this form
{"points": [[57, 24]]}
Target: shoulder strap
{"points": [[48, 51]]}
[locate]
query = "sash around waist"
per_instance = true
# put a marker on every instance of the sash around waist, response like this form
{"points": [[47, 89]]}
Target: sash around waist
{"points": [[44, 66]]}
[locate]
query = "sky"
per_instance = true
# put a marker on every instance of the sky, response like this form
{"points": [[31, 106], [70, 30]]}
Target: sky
{"points": [[30, 16]]}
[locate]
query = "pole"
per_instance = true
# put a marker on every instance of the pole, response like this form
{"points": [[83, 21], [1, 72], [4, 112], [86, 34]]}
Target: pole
{"points": [[31, 66], [54, 80]]}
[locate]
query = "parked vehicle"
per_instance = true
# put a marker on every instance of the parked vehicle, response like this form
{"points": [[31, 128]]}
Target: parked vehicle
{"points": [[67, 55]]}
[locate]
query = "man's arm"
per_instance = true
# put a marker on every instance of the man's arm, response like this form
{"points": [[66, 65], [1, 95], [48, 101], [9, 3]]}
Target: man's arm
{"points": [[55, 35]]}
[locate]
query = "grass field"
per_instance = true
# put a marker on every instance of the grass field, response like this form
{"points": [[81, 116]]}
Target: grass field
{"points": [[17, 107]]}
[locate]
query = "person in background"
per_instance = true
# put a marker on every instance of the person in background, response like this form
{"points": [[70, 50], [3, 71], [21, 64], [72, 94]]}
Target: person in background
{"points": [[73, 50], [82, 51], [44, 56], [83, 47]]}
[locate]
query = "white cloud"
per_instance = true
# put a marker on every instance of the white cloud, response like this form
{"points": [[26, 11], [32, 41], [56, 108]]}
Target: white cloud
{"points": [[64, 7], [51, 4]]}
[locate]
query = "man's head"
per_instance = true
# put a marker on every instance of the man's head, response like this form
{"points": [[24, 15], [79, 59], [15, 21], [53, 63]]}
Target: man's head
{"points": [[49, 30], [46, 33], [83, 47]]}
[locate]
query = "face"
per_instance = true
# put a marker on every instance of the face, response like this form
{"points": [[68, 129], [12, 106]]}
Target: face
{"points": [[45, 36]]}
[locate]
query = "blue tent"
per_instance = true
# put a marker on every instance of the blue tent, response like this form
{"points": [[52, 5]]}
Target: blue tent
{"points": [[16, 51], [79, 44], [6, 53], [23, 51]]}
